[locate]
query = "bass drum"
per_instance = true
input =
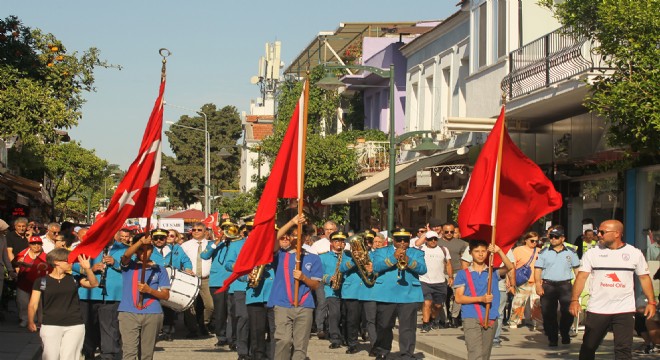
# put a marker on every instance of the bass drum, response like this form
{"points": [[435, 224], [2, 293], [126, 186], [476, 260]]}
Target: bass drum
{"points": [[183, 290]]}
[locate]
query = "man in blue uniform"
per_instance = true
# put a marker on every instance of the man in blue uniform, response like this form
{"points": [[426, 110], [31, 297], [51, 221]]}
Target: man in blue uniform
{"points": [[553, 271], [216, 251], [256, 297], [171, 256], [237, 289], [99, 305], [356, 293], [398, 293], [332, 279]]}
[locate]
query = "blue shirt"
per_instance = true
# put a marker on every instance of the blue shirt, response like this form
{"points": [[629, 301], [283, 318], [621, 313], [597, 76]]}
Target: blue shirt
{"points": [[174, 255], [113, 280], [557, 266], [232, 254], [156, 277], [480, 281], [218, 256], [329, 260], [261, 293], [284, 283]]}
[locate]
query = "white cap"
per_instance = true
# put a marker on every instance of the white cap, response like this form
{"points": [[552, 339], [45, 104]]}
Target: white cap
{"points": [[77, 228], [431, 233]]}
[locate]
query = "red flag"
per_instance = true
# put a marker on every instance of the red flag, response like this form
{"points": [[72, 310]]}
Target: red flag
{"points": [[525, 193], [212, 222], [283, 182], [136, 193]]}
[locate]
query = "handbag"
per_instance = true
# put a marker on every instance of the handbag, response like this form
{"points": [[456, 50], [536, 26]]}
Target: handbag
{"points": [[524, 272]]}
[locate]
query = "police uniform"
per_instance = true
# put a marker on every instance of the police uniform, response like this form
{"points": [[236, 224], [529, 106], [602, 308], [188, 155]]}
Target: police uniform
{"points": [[99, 305], [557, 273], [398, 293], [331, 265]]}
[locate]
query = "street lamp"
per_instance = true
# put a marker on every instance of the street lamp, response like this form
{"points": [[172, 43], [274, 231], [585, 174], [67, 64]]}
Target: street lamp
{"points": [[328, 84], [207, 162]]}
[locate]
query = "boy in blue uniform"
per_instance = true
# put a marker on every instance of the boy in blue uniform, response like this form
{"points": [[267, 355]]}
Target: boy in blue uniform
{"points": [[331, 275], [293, 324], [169, 256], [140, 322], [398, 293], [99, 305], [470, 290]]}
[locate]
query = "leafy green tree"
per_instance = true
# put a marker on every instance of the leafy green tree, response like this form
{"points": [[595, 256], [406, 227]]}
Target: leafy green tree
{"points": [[72, 170], [41, 83], [626, 34], [243, 204], [330, 166], [186, 170]]}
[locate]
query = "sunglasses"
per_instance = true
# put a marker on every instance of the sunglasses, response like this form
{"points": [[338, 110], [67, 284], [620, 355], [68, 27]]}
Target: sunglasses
{"points": [[421, 231], [553, 236], [432, 239], [55, 232], [161, 237], [603, 232], [171, 235], [195, 230], [449, 232], [532, 241]]}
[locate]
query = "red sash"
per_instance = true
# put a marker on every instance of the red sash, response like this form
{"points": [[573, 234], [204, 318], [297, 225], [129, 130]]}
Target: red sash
{"points": [[287, 279], [473, 292], [136, 292]]}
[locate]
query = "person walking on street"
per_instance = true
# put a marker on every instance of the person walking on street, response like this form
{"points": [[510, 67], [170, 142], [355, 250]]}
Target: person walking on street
{"points": [[438, 277], [524, 255], [612, 302], [553, 272]]}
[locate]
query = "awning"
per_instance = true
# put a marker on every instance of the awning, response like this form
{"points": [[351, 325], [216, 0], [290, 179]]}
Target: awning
{"points": [[374, 186]]}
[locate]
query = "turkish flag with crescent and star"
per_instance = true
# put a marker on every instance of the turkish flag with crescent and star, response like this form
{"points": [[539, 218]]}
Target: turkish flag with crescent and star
{"points": [[136, 193], [212, 222]]}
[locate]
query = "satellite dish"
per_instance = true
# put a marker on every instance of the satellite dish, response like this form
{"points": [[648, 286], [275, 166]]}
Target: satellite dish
{"points": [[254, 80]]}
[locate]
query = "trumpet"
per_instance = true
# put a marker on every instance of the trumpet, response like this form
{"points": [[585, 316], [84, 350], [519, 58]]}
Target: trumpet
{"points": [[402, 261], [256, 275]]}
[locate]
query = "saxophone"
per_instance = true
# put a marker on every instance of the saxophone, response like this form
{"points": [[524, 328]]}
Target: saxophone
{"points": [[335, 280], [361, 259], [257, 273]]}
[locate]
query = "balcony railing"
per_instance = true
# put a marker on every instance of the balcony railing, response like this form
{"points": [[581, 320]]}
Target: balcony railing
{"points": [[372, 156], [550, 59]]}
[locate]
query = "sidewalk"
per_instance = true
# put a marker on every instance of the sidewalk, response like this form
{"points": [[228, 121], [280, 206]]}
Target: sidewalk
{"points": [[16, 343], [517, 344]]}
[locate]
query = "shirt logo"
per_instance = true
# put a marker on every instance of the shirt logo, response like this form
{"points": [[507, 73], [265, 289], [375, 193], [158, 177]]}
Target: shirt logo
{"points": [[615, 282], [308, 266], [626, 257]]}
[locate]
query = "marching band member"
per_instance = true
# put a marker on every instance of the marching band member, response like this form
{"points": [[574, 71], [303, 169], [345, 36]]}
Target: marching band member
{"points": [[99, 305], [332, 279], [356, 293], [293, 324], [139, 323], [237, 289], [398, 293], [217, 252], [169, 255]]}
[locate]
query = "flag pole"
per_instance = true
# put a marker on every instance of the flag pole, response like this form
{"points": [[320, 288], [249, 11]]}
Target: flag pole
{"points": [[496, 197], [164, 53], [302, 135]]}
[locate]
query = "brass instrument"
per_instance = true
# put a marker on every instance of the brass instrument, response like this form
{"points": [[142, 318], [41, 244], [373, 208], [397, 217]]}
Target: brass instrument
{"points": [[256, 275], [335, 280], [401, 262], [361, 259], [230, 229]]}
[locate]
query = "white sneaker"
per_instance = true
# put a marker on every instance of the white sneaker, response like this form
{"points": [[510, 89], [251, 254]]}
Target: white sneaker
{"points": [[513, 326]]}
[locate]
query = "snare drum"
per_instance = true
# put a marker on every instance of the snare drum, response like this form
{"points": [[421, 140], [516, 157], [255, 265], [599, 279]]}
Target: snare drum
{"points": [[183, 290]]}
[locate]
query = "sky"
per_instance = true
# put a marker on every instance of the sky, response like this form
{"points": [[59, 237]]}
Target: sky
{"points": [[215, 48]]}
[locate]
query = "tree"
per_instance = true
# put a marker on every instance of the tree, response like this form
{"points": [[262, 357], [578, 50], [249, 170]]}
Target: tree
{"points": [[626, 34], [72, 170], [41, 84], [243, 204], [330, 165], [186, 171]]}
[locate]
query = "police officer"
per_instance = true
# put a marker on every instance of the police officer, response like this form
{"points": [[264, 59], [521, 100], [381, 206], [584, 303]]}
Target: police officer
{"points": [[99, 305], [553, 271], [332, 279], [398, 292]]}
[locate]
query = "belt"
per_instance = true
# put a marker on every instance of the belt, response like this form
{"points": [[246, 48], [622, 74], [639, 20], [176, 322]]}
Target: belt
{"points": [[552, 282], [204, 277]]}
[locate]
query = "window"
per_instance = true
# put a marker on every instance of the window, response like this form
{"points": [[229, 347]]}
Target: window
{"points": [[501, 28], [414, 106], [426, 121], [482, 37]]}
